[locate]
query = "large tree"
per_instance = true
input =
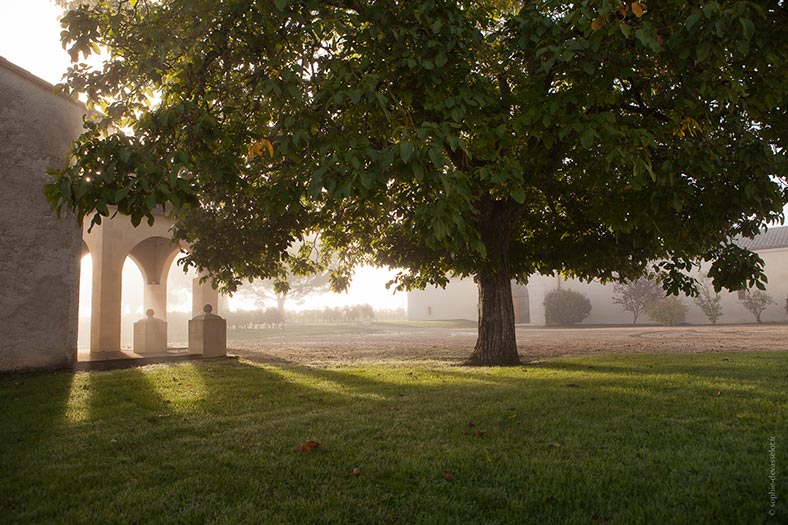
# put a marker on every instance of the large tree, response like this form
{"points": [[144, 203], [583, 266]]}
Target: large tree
{"points": [[294, 287], [447, 138]]}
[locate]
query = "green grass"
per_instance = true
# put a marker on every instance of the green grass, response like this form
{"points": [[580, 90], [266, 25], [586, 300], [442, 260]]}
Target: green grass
{"points": [[643, 439]]}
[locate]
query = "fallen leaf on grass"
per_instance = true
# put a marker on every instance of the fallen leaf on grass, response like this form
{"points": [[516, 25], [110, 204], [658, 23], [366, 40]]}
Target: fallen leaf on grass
{"points": [[717, 393], [447, 476], [477, 434], [554, 445], [356, 471], [308, 446], [601, 519]]}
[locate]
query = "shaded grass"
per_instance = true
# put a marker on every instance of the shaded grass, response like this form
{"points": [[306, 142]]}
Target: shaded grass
{"points": [[641, 439]]}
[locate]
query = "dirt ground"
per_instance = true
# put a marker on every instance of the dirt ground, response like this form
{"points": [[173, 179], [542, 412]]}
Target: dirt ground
{"points": [[453, 345]]}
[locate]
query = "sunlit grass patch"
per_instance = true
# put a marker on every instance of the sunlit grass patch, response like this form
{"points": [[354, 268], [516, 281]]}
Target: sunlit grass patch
{"points": [[643, 438]]}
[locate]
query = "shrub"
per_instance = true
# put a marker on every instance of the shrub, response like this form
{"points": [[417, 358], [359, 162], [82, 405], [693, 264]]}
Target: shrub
{"points": [[566, 307], [669, 311], [756, 302]]}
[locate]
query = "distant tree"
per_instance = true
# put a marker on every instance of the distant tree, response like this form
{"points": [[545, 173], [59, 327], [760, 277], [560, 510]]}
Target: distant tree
{"points": [[473, 138], [756, 302], [709, 301], [273, 318], [359, 312], [635, 296], [295, 287], [669, 311], [566, 307]]}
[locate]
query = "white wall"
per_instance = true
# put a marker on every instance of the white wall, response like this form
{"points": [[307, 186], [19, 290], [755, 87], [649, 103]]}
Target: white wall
{"points": [[39, 254], [459, 299]]}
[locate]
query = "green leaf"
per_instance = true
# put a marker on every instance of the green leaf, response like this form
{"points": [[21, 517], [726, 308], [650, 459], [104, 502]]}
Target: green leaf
{"points": [[702, 51], [692, 20], [280, 4], [748, 27], [436, 157], [405, 150], [440, 59], [587, 138], [518, 194], [120, 195]]}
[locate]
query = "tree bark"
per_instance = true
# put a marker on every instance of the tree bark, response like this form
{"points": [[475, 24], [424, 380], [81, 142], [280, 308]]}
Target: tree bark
{"points": [[280, 302], [496, 344]]}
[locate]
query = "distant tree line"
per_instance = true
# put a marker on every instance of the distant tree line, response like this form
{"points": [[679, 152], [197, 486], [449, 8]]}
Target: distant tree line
{"points": [[272, 317]]}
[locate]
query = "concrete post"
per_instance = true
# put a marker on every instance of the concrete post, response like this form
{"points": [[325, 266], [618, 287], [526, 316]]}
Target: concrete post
{"points": [[150, 335], [208, 334]]}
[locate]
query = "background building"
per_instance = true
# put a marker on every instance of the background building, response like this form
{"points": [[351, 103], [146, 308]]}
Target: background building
{"points": [[459, 299]]}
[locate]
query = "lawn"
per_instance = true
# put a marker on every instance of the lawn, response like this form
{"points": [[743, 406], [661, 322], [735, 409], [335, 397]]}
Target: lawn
{"points": [[610, 439]]}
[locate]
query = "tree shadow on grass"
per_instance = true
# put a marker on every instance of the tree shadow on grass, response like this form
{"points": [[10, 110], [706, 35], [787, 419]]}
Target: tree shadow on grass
{"points": [[33, 412], [218, 441]]}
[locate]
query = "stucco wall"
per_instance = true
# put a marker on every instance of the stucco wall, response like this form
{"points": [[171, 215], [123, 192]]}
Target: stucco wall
{"points": [[458, 300], [39, 254]]}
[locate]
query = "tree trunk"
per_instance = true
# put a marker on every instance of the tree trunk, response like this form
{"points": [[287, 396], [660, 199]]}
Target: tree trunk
{"points": [[496, 344], [281, 298]]}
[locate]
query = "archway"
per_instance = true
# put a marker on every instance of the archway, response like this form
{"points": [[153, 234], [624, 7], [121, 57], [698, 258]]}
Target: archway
{"points": [[85, 298], [522, 307], [131, 301], [180, 293]]}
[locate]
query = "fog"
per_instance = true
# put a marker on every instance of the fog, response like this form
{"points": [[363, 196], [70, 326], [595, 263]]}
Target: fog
{"points": [[243, 308]]}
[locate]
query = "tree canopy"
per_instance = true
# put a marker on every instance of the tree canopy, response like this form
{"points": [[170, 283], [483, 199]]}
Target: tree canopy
{"points": [[599, 139]]}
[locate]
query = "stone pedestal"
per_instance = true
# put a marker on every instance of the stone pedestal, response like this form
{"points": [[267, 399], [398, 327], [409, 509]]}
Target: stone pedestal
{"points": [[208, 334], [150, 335]]}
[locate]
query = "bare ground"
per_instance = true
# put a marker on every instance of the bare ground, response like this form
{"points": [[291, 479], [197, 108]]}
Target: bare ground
{"points": [[403, 344]]}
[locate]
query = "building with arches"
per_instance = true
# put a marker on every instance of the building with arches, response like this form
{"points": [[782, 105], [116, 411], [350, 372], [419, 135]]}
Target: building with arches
{"points": [[40, 253], [153, 251]]}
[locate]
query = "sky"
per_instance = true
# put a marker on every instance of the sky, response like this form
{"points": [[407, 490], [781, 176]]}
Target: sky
{"points": [[30, 38]]}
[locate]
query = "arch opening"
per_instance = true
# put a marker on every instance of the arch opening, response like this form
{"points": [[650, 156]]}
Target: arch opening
{"points": [[179, 303], [131, 301], [85, 299]]}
